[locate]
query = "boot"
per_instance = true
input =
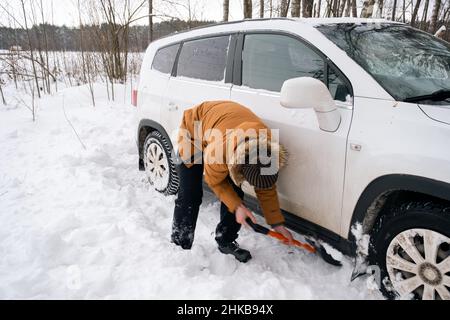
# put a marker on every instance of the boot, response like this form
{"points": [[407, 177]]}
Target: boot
{"points": [[232, 248]]}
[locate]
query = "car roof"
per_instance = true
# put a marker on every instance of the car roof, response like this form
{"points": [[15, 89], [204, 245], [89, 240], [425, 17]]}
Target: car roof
{"points": [[306, 21], [267, 22]]}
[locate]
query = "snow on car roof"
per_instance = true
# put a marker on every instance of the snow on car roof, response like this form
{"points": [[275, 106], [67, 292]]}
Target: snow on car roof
{"points": [[317, 21], [266, 22]]}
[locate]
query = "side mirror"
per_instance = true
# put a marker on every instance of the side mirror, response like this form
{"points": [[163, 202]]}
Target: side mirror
{"points": [[306, 92]]}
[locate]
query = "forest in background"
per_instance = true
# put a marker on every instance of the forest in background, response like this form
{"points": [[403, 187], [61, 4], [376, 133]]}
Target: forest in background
{"points": [[110, 35]]}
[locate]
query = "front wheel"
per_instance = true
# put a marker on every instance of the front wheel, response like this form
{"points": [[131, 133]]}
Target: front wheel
{"points": [[158, 164], [412, 248]]}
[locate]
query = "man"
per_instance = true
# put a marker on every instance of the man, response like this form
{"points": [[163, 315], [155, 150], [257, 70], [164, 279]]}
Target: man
{"points": [[212, 132]]}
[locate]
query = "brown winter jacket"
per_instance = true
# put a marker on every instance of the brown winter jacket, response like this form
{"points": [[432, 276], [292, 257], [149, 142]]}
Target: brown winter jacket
{"points": [[223, 115]]}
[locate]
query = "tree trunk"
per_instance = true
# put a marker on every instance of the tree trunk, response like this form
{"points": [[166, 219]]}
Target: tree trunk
{"points": [[380, 8], [261, 9], [3, 97], [335, 8], [354, 9], [404, 11], [367, 9], [342, 7], [284, 8], [33, 63], [423, 22], [415, 11], [434, 16], [248, 9], [150, 21], [319, 4], [307, 8], [47, 61], [347, 9], [226, 10], [394, 8], [295, 8]]}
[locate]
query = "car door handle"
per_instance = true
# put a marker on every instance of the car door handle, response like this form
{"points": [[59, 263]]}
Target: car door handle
{"points": [[173, 106]]}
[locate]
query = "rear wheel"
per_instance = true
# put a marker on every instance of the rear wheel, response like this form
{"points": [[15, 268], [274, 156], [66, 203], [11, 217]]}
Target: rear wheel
{"points": [[412, 248], [158, 164]]}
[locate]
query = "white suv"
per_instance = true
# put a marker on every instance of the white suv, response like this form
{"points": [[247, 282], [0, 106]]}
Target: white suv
{"points": [[376, 157]]}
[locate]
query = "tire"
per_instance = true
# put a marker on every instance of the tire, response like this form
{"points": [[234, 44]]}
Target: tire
{"points": [[158, 164], [411, 246]]}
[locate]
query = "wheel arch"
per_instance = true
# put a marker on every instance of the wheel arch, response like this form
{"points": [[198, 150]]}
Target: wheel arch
{"points": [[147, 126], [389, 189]]}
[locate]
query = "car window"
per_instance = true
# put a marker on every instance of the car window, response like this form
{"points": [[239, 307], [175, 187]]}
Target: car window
{"points": [[405, 61], [269, 60], [204, 59], [165, 58], [337, 86]]}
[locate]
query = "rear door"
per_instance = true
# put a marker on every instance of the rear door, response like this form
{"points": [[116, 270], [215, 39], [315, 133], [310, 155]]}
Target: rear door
{"points": [[154, 81], [311, 185], [201, 74]]}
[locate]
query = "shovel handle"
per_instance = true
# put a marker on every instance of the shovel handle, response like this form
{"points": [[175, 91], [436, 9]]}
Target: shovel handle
{"points": [[297, 243], [257, 227], [263, 230]]}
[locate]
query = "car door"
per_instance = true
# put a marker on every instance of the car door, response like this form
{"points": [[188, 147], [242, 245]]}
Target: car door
{"points": [[200, 75], [154, 81], [311, 186]]}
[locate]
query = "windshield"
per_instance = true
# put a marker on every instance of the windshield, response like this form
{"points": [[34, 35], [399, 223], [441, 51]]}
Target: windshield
{"points": [[407, 62]]}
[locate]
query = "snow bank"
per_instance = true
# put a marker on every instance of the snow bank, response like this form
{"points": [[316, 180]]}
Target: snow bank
{"points": [[82, 223]]}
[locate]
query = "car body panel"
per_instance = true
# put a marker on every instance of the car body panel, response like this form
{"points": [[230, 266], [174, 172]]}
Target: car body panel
{"points": [[394, 138]]}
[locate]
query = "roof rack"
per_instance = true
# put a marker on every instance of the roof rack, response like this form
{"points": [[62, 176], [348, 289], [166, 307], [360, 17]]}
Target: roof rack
{"points": [[226, 23]]}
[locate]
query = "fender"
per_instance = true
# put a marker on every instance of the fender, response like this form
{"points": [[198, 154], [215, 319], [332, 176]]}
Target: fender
{"points": [[397, 182], [142, 128]]}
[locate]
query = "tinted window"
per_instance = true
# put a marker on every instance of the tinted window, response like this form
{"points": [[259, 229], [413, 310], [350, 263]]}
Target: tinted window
{"points": [[165, 58], [204, 59], [337, 86], [269, 60]]}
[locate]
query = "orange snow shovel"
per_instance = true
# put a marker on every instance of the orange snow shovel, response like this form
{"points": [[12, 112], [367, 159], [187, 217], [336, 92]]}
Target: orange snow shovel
{"points": [[263, 230], [311, 248]]}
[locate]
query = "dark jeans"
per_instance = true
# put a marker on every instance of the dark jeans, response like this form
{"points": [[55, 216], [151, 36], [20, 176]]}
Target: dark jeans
{"points": [[188, 204]]}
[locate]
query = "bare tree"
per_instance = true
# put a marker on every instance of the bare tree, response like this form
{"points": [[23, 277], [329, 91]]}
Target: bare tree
{"points": [[284, 8], [261, 8], [248, 9], [86, 63], [394, 9], [226, 10], [415, 12], [1, 92], [354, 9], [434, 16], [404, 11], [319, 5], [423, 22], [150, 21], [367, 9], [307, 8], [33, 62], [295, 8], [341, 8], [347, 8], [380, 8]]}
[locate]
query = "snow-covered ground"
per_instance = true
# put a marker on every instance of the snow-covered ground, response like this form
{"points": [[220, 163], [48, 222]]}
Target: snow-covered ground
{"points": [[82, 222]]}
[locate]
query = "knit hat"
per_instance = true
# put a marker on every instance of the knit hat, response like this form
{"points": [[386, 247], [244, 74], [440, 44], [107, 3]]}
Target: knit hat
{"points": [[254, 175], [245, 164]]}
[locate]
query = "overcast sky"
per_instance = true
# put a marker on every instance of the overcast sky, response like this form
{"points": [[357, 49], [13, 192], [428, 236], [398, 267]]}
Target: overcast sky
{"points": [[65, 11]]}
